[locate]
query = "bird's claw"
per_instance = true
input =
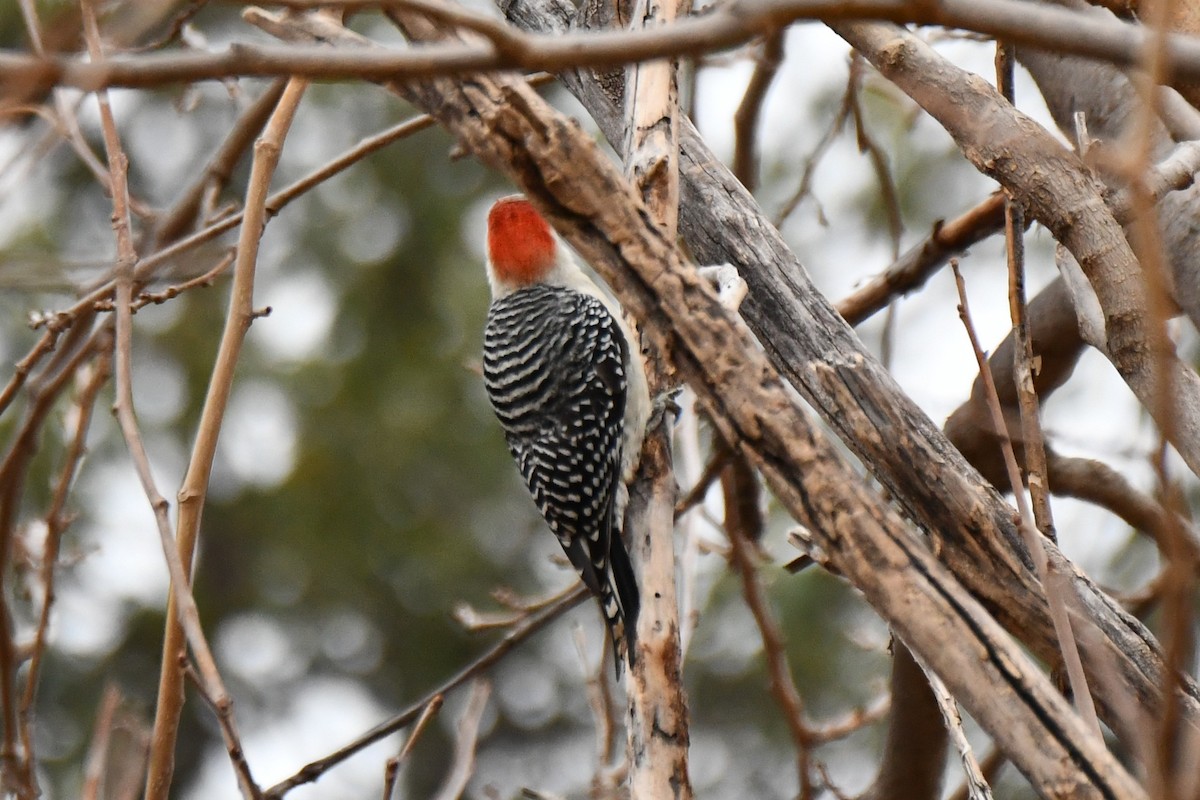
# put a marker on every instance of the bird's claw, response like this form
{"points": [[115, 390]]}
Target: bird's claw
{"points": [[663, 403]]}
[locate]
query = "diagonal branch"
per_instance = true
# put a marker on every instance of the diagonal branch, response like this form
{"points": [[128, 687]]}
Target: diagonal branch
{"points": [[563, 171], [971, 526], [1059, 192]]}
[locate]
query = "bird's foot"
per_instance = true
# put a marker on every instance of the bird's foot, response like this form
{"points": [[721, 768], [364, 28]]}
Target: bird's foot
{"points": [[661, 405]]}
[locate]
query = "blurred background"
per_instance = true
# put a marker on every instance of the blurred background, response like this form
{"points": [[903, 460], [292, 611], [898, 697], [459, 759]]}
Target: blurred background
{"points": [[362, 490]]}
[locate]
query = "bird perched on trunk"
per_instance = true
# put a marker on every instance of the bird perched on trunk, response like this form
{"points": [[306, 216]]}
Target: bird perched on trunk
{"points": [[565, 376]]}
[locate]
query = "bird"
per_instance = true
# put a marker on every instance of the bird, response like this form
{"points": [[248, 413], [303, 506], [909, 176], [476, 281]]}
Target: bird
{"points": [[564, 373]]}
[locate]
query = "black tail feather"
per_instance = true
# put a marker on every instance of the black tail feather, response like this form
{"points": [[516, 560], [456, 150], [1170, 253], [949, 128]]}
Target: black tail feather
{"points": [[624, 582]]}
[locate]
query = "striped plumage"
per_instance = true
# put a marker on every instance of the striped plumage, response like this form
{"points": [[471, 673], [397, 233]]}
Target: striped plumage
{"points": [[564, 374], [554, 369]]}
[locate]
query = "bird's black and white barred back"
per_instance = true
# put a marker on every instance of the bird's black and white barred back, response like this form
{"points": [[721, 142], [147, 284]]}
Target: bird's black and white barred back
{"points": [[555, 370]]}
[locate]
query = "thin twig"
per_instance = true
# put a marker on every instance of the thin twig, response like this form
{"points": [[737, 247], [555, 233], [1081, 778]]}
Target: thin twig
{"points": [[147, 267], [913, 268], [744, 558], [315, 769], [97, 757], [989, 767], [856, 720], [883, 172], [181, 597], [599, 702], [392, 769], [1173, 761], [1096, 482], [14, 469], [144, 299], [977, 786], [749, 111], [57, 522], [216, 174], [712, 470], [827, 782], [175, 30], [63, 117], [467, 730], [171, 292], [1032, 439], [804, 189], [519, 609], [1055, 586], [192, 492], [56, 322], [724, 27], [23, 368]]}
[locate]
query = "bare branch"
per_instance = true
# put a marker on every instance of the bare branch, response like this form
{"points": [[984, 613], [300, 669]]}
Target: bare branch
{"points": [[744, 558], [467, 736], [392, 770], [57, 522], [915, 749], [725, 26], [833, 129], [1033, 447], [18, 768], [189, 618], [216, 174], [195, 482], [600, 703], [989, 767], [1055, 599], [749, 111], [94, 770], [657, 725], [977, 786], [1170, 768], [310, 772], [1096, 482], [1061, 194], [909, 272], [852, 722]]}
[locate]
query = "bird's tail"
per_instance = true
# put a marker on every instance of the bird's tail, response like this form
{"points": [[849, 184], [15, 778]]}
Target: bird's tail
{"points": [[622, 604]]}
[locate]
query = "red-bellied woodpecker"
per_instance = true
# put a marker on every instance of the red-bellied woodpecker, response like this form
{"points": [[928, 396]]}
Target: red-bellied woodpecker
{"points": [[565, 376]]}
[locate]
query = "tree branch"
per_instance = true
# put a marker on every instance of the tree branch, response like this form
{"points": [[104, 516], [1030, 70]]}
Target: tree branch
{"points": [[972, 528], [194, 488], [726, 25]]}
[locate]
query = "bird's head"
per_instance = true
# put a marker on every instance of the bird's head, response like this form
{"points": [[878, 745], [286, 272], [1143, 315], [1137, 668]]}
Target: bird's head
{"points": [[522, 249]]}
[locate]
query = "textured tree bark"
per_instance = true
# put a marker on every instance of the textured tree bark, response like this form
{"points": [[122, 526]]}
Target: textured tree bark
{"points": [[657, 727], [1056, 189], [508, 126], [1109, 103], [972, 528], [657, 724], [563, 172]]}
